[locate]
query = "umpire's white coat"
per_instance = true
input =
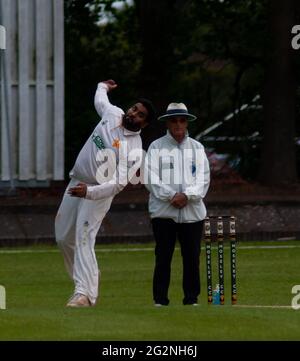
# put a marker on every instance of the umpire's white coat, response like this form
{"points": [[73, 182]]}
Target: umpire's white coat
{"points": [[78, 220], [170, 168]]}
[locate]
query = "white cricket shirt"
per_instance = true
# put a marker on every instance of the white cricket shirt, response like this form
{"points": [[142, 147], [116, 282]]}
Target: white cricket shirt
{"points": [[95, 165]]}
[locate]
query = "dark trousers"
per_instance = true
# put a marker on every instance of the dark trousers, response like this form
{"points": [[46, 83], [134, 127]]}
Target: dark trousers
{"points": [[166, 231]]}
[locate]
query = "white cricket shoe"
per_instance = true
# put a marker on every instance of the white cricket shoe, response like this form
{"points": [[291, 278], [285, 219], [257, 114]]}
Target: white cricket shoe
{"points": [[79, 300]]}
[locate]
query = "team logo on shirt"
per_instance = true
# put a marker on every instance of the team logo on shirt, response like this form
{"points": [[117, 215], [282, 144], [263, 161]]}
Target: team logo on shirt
{"points": [[193, 168], [98, 141], [104, 121], [116, 143]]}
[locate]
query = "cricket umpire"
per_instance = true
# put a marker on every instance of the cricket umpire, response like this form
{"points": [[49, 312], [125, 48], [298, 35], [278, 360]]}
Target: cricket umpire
{"points": [[90, 192], [177, 176]]}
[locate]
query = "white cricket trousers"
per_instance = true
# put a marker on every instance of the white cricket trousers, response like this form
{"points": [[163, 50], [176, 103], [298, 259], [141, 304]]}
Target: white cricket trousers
{"points": [[76, 226]]}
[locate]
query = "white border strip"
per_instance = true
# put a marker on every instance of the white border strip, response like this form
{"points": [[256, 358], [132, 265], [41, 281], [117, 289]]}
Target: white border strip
{"points": [[263, 306], [98, 250], [268, 247], [148, 249]]}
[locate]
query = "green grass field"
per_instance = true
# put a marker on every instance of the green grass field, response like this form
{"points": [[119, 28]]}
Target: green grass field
{"points": [[37, 289]]}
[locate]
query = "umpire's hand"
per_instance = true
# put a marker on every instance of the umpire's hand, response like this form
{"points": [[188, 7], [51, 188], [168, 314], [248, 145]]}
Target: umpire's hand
{"points": [[78, 191], [179, 201]]}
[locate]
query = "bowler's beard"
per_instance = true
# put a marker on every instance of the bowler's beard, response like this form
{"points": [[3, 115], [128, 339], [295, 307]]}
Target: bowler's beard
{"points": [[129, 124]]}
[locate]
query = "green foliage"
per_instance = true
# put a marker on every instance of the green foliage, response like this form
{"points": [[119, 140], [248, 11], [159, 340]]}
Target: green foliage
{"points": [[209, 54], [222, 42]]}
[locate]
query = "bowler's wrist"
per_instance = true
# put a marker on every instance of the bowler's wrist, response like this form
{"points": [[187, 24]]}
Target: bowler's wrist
{"points": [[89, 193]]}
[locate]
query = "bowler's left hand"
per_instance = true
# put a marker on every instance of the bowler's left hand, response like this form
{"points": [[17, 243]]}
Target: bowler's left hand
{"points": [[78, 191]]}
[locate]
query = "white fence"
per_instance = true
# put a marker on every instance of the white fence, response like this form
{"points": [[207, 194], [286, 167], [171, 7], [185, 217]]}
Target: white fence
{"points": [[34, 92]]}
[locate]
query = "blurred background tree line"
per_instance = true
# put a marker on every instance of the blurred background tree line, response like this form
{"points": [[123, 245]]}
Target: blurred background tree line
{"points": [[216, 56]]}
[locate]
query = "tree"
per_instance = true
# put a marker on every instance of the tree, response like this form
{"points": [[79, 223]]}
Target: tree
{"points": [[278, 158], [212, 55], [236, 32], [156, 34]]}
